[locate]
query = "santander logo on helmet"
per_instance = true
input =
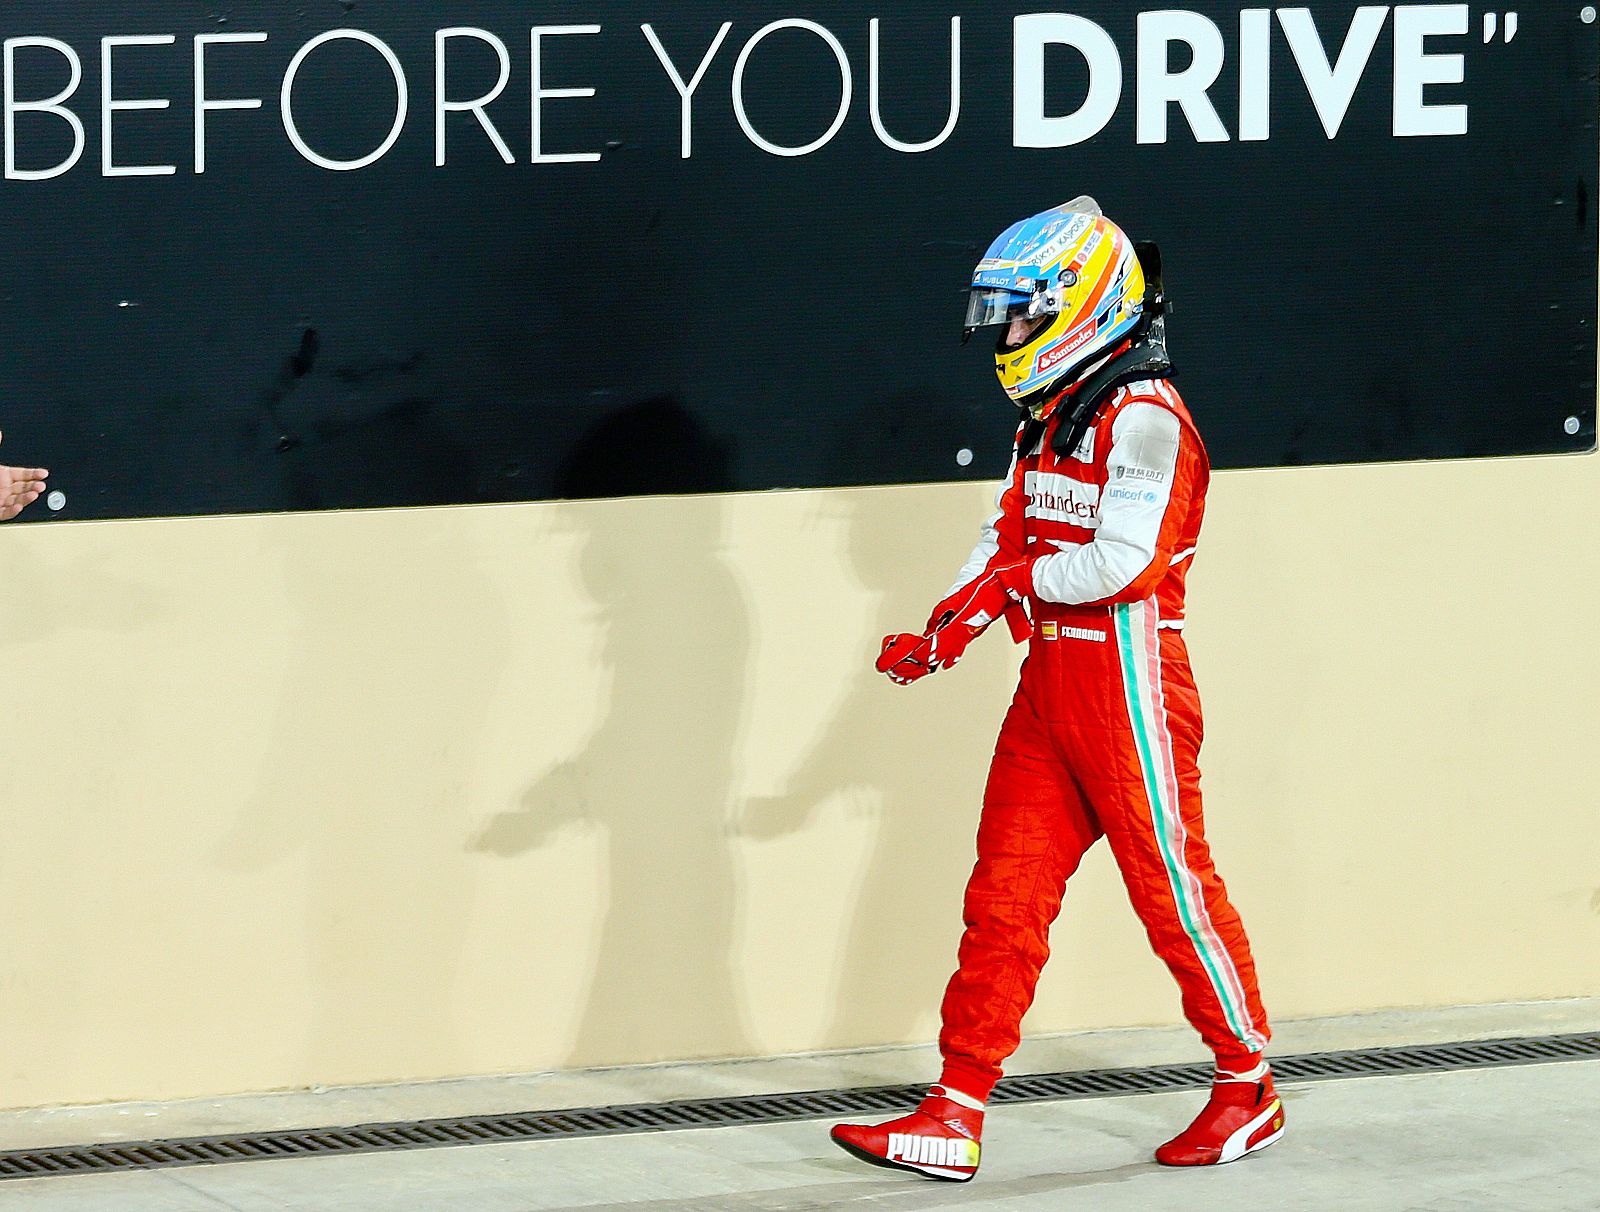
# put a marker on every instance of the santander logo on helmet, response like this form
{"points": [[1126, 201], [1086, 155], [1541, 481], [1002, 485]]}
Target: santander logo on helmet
{"points": [[1064, 288], [1056, 354]]}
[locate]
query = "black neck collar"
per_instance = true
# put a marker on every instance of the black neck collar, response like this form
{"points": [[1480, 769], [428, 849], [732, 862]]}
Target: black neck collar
{"points": [[1145, 358]]}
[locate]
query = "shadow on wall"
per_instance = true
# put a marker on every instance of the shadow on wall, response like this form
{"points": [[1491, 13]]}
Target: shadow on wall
{"points": [[395, 656], [906, 922], [656, 775]]}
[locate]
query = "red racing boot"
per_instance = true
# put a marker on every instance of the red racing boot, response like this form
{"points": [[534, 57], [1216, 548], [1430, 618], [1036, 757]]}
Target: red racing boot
{"points": [[1244, 1114], [939, 1139]]}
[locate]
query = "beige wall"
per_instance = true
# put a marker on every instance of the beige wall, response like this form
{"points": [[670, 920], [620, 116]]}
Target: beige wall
{"points": [[396, 795]]}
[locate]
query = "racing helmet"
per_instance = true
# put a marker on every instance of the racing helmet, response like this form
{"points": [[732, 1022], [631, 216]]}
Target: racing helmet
{"points": [[1076, 282]]}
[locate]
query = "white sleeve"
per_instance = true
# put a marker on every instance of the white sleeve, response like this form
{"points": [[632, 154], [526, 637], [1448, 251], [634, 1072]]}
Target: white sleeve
{"points": [[989, 538], [1139, 479]]}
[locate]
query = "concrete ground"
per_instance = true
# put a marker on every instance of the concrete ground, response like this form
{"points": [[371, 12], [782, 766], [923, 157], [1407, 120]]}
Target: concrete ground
{"points": [[1502, 1139]]}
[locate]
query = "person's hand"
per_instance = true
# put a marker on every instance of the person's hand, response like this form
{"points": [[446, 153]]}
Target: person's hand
{"points": [[955, 623], [19, 488], [906, 658], [980, 603]]}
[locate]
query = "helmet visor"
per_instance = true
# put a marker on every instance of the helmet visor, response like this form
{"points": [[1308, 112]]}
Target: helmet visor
{"points": [[986, 306]]}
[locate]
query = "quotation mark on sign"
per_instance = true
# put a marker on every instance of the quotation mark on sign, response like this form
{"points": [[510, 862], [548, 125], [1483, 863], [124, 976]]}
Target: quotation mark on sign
{"points": [[1491, 23]]}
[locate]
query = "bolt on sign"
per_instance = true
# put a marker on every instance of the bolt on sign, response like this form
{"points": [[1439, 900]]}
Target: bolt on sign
{"points": [[296, 255]]}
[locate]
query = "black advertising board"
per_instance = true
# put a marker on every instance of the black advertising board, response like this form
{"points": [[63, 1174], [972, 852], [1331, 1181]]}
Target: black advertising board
{"points": [[633, 248]]}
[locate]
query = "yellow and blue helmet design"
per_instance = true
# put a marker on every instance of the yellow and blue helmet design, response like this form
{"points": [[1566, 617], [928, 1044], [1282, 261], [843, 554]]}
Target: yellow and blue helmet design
{"points": [[1075, 279]]}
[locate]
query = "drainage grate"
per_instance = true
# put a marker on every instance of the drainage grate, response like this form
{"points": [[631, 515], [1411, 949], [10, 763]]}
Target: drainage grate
{"points": [[763, 1108]]}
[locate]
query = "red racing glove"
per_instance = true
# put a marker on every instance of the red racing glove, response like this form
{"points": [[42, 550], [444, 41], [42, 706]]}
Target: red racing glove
{"points": [[955, 623], [998, 591], [906, 657]]}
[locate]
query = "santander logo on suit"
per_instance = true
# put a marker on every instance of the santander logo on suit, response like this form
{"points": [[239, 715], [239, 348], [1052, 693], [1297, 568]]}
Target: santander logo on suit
{"points": [[1058, 498]]}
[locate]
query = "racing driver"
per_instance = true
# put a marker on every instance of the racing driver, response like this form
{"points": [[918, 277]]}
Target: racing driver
{"points": [[1095, 532]]}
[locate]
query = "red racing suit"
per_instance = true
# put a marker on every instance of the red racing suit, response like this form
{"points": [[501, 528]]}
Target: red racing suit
{"points": [[1103, 734]]}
